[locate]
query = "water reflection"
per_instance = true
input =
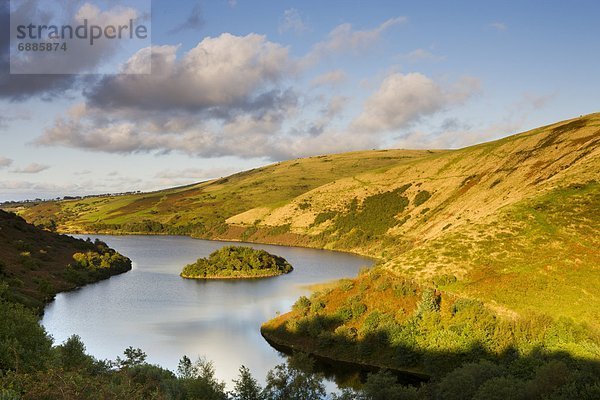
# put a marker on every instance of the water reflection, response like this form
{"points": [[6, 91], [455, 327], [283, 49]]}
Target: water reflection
{"points": [[151, 307]]}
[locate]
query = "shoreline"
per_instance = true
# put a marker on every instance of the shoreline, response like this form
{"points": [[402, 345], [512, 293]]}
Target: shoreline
{"points": [[372, 258], [412, 377], [241, 277]]}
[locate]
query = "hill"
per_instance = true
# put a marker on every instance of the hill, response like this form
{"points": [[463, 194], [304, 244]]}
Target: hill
{"points": [[484, 252], [36, 264]]}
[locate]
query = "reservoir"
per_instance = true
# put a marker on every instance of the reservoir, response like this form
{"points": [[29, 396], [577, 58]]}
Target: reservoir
{"points": [[153, 308]]}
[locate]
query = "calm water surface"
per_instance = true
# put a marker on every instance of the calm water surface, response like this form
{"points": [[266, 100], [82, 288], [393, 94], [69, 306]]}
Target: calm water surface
{"points": [[154, 309]]}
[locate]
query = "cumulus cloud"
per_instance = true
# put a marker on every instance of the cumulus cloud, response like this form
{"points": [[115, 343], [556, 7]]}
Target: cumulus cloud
{"points": [[292, 21], [344, 38], [225, 96], [403, 99], [32, 168], [331, 78], [325, 116], [232, 96], [223, 71], [194, 21], [59, 72], [5, 162], [455, 134]]}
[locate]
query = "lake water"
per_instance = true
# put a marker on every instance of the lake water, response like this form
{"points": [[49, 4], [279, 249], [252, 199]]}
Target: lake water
{"points": [[152, 308]]}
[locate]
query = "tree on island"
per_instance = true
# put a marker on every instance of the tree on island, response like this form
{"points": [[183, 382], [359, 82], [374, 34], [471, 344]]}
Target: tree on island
{"points": [[237, 262]]}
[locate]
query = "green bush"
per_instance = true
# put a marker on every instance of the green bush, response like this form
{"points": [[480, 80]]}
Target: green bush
{"points": [[302, 304], [237, 261], [421, 197], [24, 344], [430, 301]]}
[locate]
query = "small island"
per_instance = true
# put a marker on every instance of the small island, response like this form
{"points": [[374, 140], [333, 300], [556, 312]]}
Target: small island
{"points": [[237, 262]]}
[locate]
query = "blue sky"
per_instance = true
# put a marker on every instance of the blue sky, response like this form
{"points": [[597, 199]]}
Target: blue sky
{"points": [[238, 84]]}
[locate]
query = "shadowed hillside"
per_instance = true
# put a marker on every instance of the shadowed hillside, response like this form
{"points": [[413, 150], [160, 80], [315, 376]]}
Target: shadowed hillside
{"points": [[37, 264]]}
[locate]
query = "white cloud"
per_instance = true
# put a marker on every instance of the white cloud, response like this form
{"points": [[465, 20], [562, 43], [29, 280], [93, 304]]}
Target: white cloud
{"points": [[223, 71], [420, 55], [455, 135], [499, 26], [344, 38], [535, 101], [195, 174], [292, 21], [229, 96], [330, 78], [5, 162], [223, 97], [403, 99], [32, 168]]}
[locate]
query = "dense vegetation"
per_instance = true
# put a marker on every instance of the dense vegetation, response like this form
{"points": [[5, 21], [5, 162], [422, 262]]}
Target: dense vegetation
{"points": [[37, 264], [468, 350], [236, 262]]}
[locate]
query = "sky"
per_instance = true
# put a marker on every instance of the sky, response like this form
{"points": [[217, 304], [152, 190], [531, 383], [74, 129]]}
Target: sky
{"points": [[236, 84]]}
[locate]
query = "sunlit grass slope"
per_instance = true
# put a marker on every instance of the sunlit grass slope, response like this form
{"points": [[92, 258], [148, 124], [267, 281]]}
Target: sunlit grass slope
{"points": [[202, 209]]}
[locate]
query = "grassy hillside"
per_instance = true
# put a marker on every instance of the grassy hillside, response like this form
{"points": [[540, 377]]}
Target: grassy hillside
{"points": [[202, 209], [511, 225], [36, 264]]}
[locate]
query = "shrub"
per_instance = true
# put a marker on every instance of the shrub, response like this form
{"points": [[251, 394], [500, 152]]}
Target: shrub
{"points": [[421, 197], [317, 306], [430, 301], [346, 284], [302, 304], [464, 382]]}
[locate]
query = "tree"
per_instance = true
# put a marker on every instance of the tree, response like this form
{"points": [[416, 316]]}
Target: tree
{"points": [[294, 380], [463, 382], [201, 382], [383, 386], [246, 387], [72, 354], [24, 344], [185, 369], [133, 357], [501, 388]]}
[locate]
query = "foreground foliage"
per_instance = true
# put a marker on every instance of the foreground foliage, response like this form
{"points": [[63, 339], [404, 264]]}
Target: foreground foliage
{"points": [[30, 368], [467, 349]]}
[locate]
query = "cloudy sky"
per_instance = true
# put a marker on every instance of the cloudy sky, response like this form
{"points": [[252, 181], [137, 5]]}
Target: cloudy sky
{"points": [[240, 83]]}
